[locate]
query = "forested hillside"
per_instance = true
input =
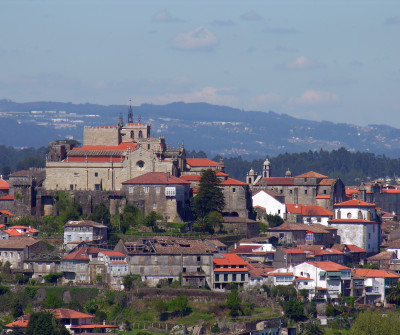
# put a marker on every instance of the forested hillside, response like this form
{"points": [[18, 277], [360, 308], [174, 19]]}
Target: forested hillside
{"points": [[350, 167]]}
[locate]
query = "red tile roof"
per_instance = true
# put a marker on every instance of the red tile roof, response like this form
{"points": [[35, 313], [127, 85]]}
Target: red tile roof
{"points": [[13, 232], [372, 273], [323, 196], [80, 254], [304, 278], [201, 162], [113, 253], [391, 190], [280, 273], [329, 266], [327, 182], [4, 185], [354, 203], [308, 210], [233, 182], [351, 247], [18, 324], [311, 174], [231, 269], [191, 177], [6, 212], [229, 259], [293, 251], [65, 313], [314, 228], [222, 174], [7, 197], [155, 178], [124, 146]]}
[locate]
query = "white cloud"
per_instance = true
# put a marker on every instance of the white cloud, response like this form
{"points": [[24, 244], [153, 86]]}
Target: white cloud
{"points": [[302, 62], [199, 39], [165, 16], [212, 95], [311, 97], [251, 16], [268, 98]]}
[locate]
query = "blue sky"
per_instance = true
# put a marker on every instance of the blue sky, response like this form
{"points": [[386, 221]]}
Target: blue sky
{"points": [[320, 60]]}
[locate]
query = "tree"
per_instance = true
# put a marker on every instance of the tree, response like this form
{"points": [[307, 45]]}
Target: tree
{"points": [[394, 295], [293, 309], [44, 323], [101, 214], [180, 305], [130, 217], [313, 328], [5, 171], [273, 220], [151, 220], [376, 323], [17, 309], [128, 282], [210, 197], [233, 302]]}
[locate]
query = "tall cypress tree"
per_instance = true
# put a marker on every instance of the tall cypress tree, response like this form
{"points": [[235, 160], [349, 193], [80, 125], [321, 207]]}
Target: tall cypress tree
{"points": [[210, 197]]}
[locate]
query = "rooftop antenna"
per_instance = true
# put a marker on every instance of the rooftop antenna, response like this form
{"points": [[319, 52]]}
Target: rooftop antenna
{"points": [[130, 114]]}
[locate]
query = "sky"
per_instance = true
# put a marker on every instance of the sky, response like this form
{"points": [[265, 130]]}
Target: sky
{"points": [[317, 60]]}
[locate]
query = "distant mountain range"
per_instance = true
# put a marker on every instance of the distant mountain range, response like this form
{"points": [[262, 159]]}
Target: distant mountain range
{"points": [[213, 129]]}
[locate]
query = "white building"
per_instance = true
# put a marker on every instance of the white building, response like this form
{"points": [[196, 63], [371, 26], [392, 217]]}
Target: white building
{"points": [[357, 223], [271, 201], [330, 280]]}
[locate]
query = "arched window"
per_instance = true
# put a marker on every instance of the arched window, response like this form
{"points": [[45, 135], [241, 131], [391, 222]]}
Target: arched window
{"points": [[140, 134], [132, 134]]}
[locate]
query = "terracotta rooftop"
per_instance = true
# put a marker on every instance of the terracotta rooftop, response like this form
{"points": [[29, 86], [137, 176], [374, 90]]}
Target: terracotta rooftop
{"points": [[329, 266], [327, 182], [311, 174], [6, 212], [21, 173], [382, 256], [323, 196], [201, 162], [354, 203], [65, 313], [155, 178], [229, 259], [395, 244], [113, 253], [4, 185], [349, 247], [372, 273], [233, 182], [79, 255], [308, 210], [7, 197], [191, 177]]}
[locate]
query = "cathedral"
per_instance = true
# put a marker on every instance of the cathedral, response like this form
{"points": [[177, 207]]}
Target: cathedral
{"points": [[109, 156]]}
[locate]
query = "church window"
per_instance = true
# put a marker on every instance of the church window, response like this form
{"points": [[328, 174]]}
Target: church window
{"points": [[96, 174], [140, 134], [233, 190], [71, 187], [305, 191], [132, 134], [349, 215], [140, 165], [291, 191]]}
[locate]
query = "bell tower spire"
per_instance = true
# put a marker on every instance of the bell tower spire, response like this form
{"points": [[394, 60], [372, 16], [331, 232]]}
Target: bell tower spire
{"points": [[130, 114]]}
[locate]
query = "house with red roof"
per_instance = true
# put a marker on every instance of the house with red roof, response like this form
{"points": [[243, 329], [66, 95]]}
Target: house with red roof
{"points": [[4, 187], [330, 280], [285, 257], [357, 223], [229, 268], [76, 322], [352, 253], [116, 267], [76, 266], [318, 253], [75, 232], [377, 284], [280, 277], [160, 192], [5, 217], [308, 214], [310, 188]]}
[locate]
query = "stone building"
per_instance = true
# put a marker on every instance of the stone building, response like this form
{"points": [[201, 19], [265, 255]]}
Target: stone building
{"points": [[309, 188], [230, 268], [109, 156], [85, 230], [159, 192], [168, 258]]}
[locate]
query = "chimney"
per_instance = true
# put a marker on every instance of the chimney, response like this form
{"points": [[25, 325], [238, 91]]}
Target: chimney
{"points": [[168, 174]]}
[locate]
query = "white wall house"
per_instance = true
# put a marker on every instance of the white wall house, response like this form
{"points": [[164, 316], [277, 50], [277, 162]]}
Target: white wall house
{"points": [[271, 201], [330, 279], [357, 223]]}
